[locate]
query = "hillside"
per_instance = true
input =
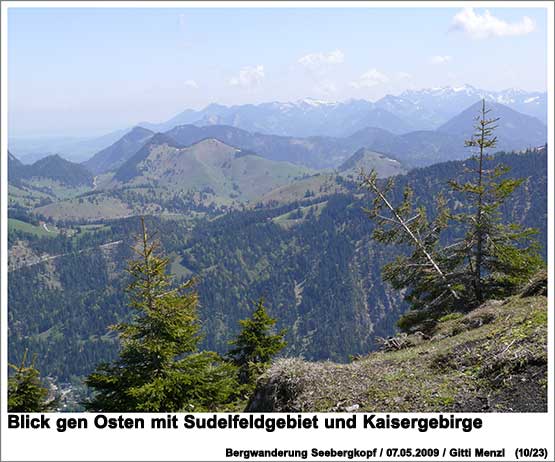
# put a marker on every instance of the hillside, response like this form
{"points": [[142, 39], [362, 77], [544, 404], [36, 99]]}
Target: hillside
{"points": [[368, 160], [319, 185], [14, 168], [52, 168], [325, 184], [514, 130], [208, 165], [493, 359], [314, 152], [329, 265], [115, 155], [311, 257]]}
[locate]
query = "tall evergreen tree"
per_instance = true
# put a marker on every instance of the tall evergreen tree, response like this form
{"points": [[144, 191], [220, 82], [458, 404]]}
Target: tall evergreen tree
{"points": [[160, 368], [421, 272], [491, 260], [255, 345], [26, 393]]}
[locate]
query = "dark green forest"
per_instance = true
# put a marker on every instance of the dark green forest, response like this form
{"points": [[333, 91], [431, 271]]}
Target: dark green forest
{"points": [[313, 261]]}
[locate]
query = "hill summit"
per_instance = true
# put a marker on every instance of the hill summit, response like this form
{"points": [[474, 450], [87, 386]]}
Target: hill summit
{"points": [[51, 167], [207, 166], [367, 160]]}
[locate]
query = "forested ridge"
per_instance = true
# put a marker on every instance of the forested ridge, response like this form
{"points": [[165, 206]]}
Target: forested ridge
{"points": [[314, 261]]}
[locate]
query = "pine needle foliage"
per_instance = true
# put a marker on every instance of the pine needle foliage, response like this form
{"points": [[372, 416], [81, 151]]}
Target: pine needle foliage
{"points": [[491, 259], [26, 393], [255, 345], [160, 368], [421, 271]]}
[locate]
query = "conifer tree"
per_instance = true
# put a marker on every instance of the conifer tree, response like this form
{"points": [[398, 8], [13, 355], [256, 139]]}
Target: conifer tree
{"points": [[160, 368], [25, 390], [493, 258], [421, 272], [255, 345]]}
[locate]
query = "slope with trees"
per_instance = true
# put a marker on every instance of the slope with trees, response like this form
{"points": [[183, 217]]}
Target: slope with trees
{"points": [[328, 291], [491, 259], [159, 368]]}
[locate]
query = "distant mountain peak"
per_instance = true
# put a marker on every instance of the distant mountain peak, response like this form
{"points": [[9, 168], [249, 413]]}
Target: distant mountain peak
{"points": [[515, 130], [315, 102], [52, 167], [211, 141], [138, 130], [367, 160], [115, 155], [161, 139]]}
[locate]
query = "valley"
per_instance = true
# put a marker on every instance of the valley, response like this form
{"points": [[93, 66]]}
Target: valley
{"points": [[248, 214]]}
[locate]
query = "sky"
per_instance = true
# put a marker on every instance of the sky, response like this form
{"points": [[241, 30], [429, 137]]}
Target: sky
{"points": [[89, 71]]}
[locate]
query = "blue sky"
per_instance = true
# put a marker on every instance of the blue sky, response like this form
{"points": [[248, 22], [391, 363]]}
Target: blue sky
{"points": [[77, 71]]}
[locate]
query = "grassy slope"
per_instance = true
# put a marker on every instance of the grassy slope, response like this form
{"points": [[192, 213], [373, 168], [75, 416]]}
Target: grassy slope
{"points": [[22, 196], [369, 160], [215, 165], [86, 208], [318, 185], [18, 225], [492, 359]]}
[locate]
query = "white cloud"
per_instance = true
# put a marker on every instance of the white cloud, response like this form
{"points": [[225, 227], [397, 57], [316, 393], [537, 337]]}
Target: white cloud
{"points": [[190, 83], [403, 76], [440, 59], [481, 26], [369, 79], [249, 76], [326, 87], [315, 61]]}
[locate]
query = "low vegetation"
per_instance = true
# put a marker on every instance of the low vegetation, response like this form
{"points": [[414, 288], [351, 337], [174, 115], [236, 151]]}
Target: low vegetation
{"points": [[493, 359]]}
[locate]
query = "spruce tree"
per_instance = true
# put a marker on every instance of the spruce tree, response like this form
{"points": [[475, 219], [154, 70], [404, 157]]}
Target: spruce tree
{"points": [[490, 260], [420, 272], [160, 368], [25, 390], [493, 259], [255, 345]]}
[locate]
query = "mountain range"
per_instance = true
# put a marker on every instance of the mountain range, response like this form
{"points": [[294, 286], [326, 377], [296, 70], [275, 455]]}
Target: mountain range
{"points": [[307, 117], [418, 148], [425, 109], [412, 110], [430, 108]]}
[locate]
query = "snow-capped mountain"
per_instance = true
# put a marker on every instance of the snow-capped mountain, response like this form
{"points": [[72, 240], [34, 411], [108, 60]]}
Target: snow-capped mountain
{"points": [[425, 109], [431, 107], [306, 117]]}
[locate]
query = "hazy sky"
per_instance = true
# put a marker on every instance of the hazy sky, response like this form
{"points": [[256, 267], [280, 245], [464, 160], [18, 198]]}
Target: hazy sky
{"points": [[89, 71]]}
